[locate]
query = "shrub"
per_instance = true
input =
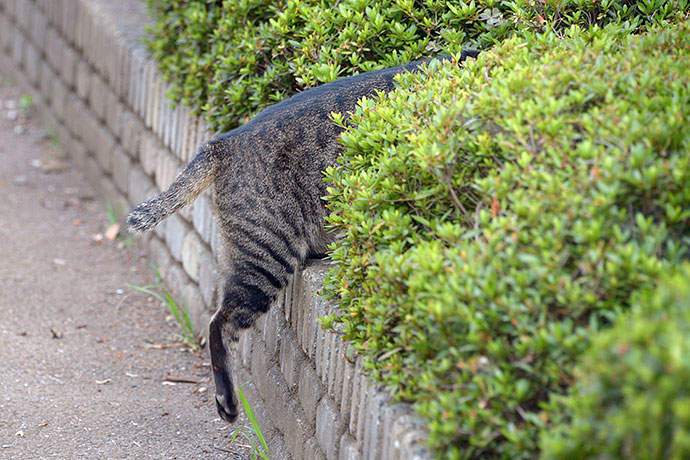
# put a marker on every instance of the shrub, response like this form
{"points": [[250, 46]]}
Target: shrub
{"points": [[230, 58], [497, 216], [632, 398]]}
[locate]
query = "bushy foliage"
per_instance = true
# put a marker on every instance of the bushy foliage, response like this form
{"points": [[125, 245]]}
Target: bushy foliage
{"points": [[632, 398], [229, 58], [497, 216]]}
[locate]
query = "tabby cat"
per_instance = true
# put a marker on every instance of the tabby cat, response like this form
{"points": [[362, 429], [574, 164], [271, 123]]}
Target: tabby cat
{"points": [[268, 183]]}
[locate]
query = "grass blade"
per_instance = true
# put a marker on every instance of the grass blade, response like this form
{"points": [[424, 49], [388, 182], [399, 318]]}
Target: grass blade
{"points": [[255, 424]]}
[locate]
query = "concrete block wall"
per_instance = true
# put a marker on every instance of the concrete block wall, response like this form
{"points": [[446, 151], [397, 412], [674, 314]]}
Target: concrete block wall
{"points": [[92, 79]]}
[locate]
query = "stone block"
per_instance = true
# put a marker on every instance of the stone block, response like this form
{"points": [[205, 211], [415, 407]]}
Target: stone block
{"points": [[187, 212], [18, 44], [118, 80], [167, 120], [337, 373], [191, 251], [323, 342], [259, 364], [313, 306], [93, 174], [98, 96], [83, 79], [272, 335], [363, 394], [335, 359], [176, 135], [167, 168], [329, 428], [290, 419], [22, 14], [291, 359], [278, 447], [151, 95], [38, 28], [349, 449], [136, 57], [54, 46], [202, 217], [215, 238], [329, 339], [190, 142], [65, 139], [68, 19], [131, 134], [31, 62], [176, 281], [176, 230], [149, 151], [312, 451], [392, 414], [300, 312], [59, 97], [140, 187], [194, 304], [78, 153], [75, 116], [208, 278], [309, 391], [160, 106], [122, 165], [409, 439], [245, 348], [10, 7], [348, 380], [354, 395], [99, 140], [113, 110], [46, 77], [374, 423], [42, 114], [5, 30], [160, 230], [288, 294], [68, 65]]}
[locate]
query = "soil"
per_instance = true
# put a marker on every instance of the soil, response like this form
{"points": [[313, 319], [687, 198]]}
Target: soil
{"points": [[83, 358]]}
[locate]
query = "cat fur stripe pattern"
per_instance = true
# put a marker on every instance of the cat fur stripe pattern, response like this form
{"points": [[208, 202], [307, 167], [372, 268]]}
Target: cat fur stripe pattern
{"points": [[267, 179]]}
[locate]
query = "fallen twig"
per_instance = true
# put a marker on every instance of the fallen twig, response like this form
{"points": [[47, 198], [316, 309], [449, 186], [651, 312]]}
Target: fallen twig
{"points": [[172, 378]]}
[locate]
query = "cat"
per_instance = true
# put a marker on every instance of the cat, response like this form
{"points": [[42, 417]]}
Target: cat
{"points": [[268, 178]]}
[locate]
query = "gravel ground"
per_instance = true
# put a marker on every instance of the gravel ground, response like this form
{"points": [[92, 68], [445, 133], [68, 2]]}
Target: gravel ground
{"points": [[83, 365]]}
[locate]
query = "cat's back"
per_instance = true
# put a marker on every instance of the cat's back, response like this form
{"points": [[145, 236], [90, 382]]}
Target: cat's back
{"points": [[314, 104]]}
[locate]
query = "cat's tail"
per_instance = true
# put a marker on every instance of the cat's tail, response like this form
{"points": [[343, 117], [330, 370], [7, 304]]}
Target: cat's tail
{"points": [[194, 179]]}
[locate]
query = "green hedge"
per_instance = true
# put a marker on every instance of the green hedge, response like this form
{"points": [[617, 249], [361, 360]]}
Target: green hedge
{"points": [[632, 399], [230, 58], [497, 216]]}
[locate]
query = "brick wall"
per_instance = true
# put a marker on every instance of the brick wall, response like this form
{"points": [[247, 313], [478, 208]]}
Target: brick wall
{"points": [[91, 78]]}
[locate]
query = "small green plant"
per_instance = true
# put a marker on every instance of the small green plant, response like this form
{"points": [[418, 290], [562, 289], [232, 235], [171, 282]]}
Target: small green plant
{"points": [[112, 214], [179, 312], [25, 104], [258, 451], [51, 135]]}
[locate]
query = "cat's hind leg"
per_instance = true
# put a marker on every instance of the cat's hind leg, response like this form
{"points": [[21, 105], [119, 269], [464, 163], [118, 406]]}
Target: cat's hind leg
{"points": [[257, 273]]}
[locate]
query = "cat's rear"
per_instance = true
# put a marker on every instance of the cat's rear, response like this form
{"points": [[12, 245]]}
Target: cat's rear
{"points": [[268, 183]]}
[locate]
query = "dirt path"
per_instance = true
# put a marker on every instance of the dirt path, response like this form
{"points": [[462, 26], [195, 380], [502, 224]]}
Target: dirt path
{"points": [[80, 377]]}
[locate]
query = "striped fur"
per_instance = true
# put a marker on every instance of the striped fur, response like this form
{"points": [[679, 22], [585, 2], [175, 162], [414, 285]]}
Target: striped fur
{"points": [[268, 183]]}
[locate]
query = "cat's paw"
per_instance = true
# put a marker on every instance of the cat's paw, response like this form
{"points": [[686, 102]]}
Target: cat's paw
{"points": [[227, 406]]}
